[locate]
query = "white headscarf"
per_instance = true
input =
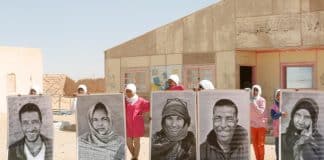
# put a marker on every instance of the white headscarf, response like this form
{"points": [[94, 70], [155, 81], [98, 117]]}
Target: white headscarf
{"points": [[259, 93], [84, 87], [131, 87], [206, 84], [174, 78], [37, 88]]}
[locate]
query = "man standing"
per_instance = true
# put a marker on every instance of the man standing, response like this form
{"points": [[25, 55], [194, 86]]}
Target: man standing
{"points": [[33, 146], [227, 140]]}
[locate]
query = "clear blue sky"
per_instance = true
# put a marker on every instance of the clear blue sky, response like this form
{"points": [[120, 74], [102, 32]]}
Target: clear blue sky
{"points": [[73, 34]]}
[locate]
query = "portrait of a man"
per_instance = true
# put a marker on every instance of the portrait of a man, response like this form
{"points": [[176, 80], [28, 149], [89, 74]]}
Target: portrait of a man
{"points": [[227, 139], [33, 144]]}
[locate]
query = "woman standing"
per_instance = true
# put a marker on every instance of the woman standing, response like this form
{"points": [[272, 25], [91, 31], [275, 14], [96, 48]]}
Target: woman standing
{"points": [[135, 108], [258, 121], [275, 115]]}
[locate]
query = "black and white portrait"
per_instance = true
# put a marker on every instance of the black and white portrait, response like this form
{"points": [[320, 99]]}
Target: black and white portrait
{"points": [[173, 127], [302, 130], [224, 124], [30, 128], [101, 127]]}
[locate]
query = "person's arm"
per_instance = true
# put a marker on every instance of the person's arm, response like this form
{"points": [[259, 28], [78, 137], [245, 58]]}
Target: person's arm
{"points": [[260, 106], [275, 115]]}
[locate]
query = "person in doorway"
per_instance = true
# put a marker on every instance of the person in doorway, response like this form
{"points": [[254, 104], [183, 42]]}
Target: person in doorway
{"points": [[136, 107]]}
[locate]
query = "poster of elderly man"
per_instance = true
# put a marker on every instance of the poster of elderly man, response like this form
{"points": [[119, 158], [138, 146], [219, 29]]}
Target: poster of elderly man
{"points": [[173, 127], [30, 131], [224, 124], [302, 129], [101, 127]]}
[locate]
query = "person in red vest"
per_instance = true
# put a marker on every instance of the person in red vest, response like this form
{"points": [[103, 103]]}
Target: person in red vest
{"points": [[173, 83], [135, 108]]}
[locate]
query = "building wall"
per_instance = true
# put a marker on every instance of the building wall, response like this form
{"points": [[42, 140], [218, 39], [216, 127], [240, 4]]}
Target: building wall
{"points": [[263, 34], [27, 66]]}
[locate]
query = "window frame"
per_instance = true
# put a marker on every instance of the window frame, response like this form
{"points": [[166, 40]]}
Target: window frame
{"points": [[284, 74]]}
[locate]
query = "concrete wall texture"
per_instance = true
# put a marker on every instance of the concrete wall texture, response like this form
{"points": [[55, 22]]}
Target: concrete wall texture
{"points": [[20, 69], [264, 34]]}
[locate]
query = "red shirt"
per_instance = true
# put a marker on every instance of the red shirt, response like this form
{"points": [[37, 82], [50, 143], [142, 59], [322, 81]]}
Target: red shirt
{"points": [[176, 88], [135, 118]]}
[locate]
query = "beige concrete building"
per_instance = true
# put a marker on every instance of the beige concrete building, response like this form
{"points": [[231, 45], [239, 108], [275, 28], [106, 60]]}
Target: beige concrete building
{"points": [[234, 43], [20, 69]]}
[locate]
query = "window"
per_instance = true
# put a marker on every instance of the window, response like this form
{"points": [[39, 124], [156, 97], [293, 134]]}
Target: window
{"points": [[193, 74], [11, 83], [298, 76], [138, 77], [160, 74]]}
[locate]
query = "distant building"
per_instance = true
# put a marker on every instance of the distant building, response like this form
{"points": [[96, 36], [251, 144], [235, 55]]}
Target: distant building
{"points": [[20, 69], [61, 89], [233, 43]]}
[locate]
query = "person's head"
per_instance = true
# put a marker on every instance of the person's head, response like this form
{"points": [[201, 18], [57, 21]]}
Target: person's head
{"points": [[34, 90], [225, 120], [100, 119], [304, 115], [175, 116], [277, 95], [82, 89], [130, 90], [256, 91], [205, 84], [30, 118], [173, 80]]}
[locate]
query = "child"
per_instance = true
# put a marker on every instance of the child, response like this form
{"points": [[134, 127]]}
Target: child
{"points": [[135, 109], [275, 115]]}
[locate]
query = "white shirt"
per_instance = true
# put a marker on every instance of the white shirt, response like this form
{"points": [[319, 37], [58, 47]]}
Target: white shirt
{"points": [[29, 155]]}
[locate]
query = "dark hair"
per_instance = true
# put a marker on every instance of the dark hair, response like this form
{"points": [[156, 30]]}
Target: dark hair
{"points": [[30, 107], [225, 102], [100, 106]]}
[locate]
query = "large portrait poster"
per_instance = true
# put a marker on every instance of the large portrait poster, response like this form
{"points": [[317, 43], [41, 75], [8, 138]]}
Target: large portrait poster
{"points": [[224, 120], [101, 127], [302, 130], [30, 128], [173, 126]]}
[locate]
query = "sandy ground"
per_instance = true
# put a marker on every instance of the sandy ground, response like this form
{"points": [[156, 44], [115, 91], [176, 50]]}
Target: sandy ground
{"points": [[65, 142]]}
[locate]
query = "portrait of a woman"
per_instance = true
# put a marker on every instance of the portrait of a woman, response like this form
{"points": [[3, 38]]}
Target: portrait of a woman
{"points": [[174, 141], [302, 140]]}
